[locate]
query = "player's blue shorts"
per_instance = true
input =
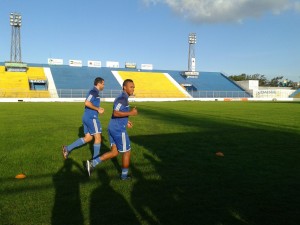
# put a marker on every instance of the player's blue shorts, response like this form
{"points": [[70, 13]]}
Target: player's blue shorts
{"points": [[91, 125], [120, 139]]}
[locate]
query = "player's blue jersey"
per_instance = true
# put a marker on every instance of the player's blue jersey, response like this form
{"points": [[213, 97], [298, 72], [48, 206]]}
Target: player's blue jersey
{"points": [[94, 98], [120, 104]]}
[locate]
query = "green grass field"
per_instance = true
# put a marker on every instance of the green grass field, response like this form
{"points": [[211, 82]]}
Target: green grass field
{"points": [[177, 178]]}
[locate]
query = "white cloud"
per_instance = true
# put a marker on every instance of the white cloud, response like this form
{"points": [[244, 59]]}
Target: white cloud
{"points": [[218, 11], [297, 6]]}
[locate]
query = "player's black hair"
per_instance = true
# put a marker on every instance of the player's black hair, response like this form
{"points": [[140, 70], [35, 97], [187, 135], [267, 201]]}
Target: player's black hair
{"points": [[127, 81], [98, 80]]}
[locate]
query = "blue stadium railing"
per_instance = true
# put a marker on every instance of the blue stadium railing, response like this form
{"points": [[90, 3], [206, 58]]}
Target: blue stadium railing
{"points": [[81, 93]]}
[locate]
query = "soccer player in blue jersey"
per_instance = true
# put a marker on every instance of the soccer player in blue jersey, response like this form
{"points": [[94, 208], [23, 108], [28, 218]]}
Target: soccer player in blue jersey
{"points": [[91, 123], [118, 136]]}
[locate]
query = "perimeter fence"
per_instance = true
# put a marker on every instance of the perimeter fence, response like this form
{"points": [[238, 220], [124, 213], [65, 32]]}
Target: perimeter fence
{"points": [[81, 93]]}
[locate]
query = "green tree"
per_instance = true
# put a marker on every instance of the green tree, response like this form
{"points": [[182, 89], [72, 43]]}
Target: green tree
{"points": [[276, 82], [262, 80]]}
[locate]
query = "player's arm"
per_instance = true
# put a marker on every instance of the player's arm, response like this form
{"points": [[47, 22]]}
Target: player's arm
{"points": [[132, 112], [90, 105], [129, 124]]}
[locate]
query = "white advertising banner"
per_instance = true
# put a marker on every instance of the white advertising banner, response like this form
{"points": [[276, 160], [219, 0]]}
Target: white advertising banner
{"points": [[112, 64], [77, 63], [52, 61], [272, 93], [146, 66], [130, 65], [94, 63]]}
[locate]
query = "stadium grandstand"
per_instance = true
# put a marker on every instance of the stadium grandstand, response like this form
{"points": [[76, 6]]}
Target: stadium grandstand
{"points": [[63, 81], [29, 84]]}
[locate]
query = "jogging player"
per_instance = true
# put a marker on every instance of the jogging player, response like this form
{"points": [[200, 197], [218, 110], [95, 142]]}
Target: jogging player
{"points": [[91, 123], [118, 137]]}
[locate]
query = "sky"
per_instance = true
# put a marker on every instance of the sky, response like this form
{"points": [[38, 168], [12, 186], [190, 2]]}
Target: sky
{"points": [[233, 36]]}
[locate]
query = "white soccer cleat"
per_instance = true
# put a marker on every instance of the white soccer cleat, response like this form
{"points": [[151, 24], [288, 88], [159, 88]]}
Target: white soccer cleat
{"points": [[89, 167]]}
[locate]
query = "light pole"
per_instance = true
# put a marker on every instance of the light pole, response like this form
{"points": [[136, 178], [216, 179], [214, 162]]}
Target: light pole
{"points": [[191, 73], [192, 59], [15, 50]]}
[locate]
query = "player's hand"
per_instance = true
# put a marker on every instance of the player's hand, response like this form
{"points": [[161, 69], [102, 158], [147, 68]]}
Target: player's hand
{"points": [[129, 124], [133, 111], [100, 110]]}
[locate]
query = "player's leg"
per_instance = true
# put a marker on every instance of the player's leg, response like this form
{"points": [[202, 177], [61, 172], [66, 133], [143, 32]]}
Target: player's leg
{"points": [[126, 159], [91, 164], [79, 142], [88, 137], [107, 155], [125, 149], [97, 145], [114, 144], [95, 129], [111, 154], [125, 165]]}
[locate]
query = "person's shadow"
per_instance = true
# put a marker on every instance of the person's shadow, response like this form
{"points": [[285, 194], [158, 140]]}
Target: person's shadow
{"points": [[108, 207], [67, 205]]}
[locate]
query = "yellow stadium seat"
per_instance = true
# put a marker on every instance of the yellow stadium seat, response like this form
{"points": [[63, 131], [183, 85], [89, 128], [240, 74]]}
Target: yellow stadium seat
{"points": [[16, 84], [152, 85]]}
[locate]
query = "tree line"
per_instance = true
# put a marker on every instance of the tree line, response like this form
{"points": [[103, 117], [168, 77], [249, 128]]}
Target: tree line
{"points": [[263, 81]]}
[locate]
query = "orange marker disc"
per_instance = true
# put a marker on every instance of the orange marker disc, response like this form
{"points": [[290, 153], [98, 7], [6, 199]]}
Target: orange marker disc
{"points": [[219, 154], [20, 176]]}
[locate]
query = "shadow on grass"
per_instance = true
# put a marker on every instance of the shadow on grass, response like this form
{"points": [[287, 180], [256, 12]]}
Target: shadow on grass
{"points": [[254, 183], [108, 207], [67, 205], [246, 186], [190, 186]]}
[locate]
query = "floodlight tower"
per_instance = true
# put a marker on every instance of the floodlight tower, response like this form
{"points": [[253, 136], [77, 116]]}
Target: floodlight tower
{"points": [[191, 73], [15, 50], [192, 59]]}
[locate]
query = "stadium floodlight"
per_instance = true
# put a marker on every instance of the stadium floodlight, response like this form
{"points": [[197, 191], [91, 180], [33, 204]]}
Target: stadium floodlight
{"points": [[16, 23], [192, 38], [15, 19]]}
